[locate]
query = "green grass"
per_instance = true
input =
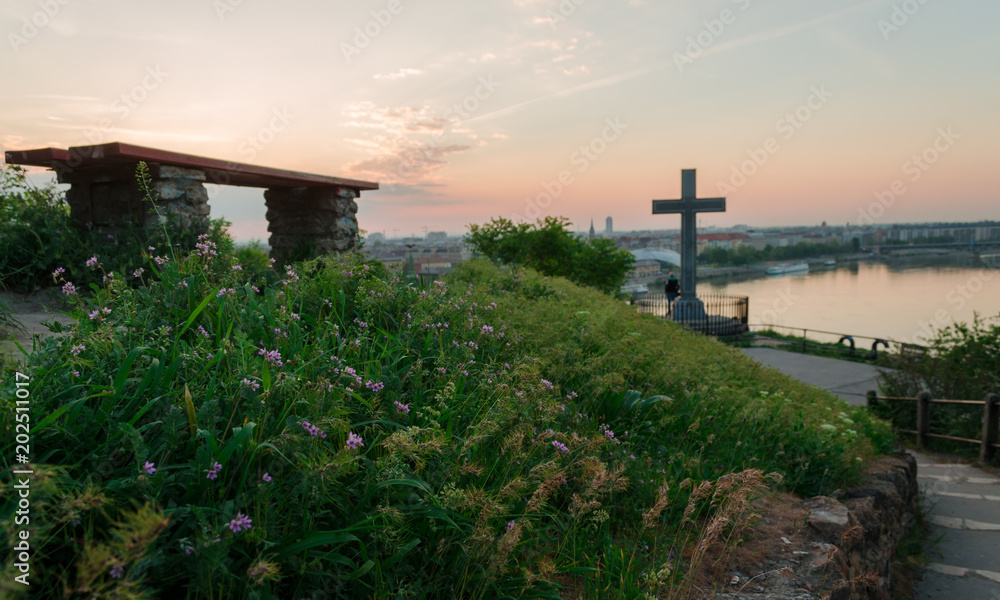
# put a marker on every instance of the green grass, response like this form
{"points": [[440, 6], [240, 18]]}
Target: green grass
{"points": [[522, 437]]}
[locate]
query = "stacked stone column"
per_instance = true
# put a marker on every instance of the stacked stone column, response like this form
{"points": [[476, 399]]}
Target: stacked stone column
{"points": [[109, 198], [309, 221]]}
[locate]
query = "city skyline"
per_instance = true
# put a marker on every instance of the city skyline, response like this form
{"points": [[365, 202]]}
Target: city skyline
{"points": [[876, 110]]}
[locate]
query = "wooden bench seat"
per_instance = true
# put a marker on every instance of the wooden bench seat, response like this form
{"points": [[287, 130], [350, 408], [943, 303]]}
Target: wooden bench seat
{"points": [[307, 214]]}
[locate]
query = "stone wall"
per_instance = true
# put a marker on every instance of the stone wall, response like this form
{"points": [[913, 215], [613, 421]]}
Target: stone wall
{"points": [[306, 222], [846, 548], [181, 195], [110, 198]]}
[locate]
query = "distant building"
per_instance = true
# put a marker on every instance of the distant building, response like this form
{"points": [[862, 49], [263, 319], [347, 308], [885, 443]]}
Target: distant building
{"points": [[607, 227], [729, 241], [591, 228], [437, 236], [376, 237], [645, 267]]}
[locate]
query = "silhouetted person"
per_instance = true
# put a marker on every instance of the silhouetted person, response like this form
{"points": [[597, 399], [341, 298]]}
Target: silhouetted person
{"points": [[672, 288]]}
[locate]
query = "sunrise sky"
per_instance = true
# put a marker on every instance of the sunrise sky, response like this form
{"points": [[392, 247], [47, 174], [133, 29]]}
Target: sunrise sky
{"points": [[797, 112]]}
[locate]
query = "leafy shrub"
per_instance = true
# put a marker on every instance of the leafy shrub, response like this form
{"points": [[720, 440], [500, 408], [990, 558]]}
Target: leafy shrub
{"points": [[37, 236], [549, 248], [962, 363]]}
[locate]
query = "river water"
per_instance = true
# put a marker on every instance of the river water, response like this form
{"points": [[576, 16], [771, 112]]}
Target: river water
{"points": [[900, 301]]}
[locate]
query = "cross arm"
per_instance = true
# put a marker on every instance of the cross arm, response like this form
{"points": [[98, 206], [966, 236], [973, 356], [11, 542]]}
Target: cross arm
{"points": [[662, 207]]}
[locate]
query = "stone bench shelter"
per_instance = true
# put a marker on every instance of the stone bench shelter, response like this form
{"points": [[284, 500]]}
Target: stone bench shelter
{"points": [[307, 214]]}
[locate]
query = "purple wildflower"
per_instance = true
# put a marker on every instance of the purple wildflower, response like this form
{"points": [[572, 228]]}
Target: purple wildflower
{"points": [[403, 408], [149, 467], [271, 356], [69, 289], [354, 441], [202, 331], [267, 478], [92, 261], [560, 446], [240, 523], [116, 571], [76, 350], [510, 525], [57, 273], [188, 550], [214, 472], [312, 429]]}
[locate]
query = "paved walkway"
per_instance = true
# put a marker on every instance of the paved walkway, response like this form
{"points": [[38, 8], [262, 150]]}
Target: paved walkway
{"points": [[849, 380], [964, 512], [963, 502]]}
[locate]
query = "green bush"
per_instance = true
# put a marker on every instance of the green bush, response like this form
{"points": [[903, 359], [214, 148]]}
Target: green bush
{"points": [[37, 236], [962, 362], [549, 248], [331, 431]]}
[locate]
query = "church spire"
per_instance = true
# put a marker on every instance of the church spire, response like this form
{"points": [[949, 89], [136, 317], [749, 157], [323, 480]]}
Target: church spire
{"points": [[591, 227]]}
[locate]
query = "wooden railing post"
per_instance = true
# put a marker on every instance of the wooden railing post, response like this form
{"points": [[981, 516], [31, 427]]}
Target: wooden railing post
{"points": [[990, 411], [923, 418]]}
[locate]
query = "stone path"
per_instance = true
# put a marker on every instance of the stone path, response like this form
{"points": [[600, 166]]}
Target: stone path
{"points": [[30, 311], [963, 502], [964, 513], [849, 380]]}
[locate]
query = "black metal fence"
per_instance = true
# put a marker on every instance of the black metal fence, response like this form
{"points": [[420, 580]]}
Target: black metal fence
{"points": [[724, 314]]}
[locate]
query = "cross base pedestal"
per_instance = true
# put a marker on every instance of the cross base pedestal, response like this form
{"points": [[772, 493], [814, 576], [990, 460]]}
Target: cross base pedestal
{"points": [[688, 309]]}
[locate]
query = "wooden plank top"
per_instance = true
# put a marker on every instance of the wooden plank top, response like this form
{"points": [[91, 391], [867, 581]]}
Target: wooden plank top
{"points": [[219, 172]]}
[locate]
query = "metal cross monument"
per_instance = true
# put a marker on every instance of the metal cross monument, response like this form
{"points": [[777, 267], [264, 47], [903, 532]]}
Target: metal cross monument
{"points": [[688, 305]]}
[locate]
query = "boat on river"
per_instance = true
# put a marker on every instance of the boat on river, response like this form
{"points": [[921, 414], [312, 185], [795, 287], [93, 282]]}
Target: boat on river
{"points": [[788, 268]]}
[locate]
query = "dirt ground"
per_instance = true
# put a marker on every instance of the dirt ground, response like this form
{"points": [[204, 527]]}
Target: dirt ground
{"points": [[30, 311]]}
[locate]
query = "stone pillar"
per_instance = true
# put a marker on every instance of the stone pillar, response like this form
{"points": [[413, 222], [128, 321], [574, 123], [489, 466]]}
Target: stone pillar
{"points": [[306, 222], [108, 197], [103, 197], [181, 196]]}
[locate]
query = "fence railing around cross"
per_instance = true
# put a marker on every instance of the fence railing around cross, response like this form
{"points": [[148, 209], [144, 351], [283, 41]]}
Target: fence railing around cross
{"points": [[991, 414], [724, 314]]}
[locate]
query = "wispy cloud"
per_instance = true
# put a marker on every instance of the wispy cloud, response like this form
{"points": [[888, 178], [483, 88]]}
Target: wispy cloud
{"points": [[758, 38], [400, 74], [406, 145]]}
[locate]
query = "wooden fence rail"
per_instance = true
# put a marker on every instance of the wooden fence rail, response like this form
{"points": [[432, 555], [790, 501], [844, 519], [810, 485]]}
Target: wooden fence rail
{"points": [[991, 408]]}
